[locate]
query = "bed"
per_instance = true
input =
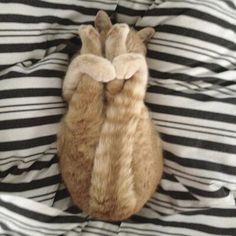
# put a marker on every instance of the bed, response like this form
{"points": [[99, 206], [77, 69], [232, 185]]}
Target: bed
{"points": [[191, 96]]}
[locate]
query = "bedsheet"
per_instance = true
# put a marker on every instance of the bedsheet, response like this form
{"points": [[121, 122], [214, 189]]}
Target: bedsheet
{"points": [[191, 95]]}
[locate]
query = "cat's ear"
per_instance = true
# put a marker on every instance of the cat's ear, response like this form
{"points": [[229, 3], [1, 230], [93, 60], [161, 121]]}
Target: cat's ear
{"points": [[102, 21], [146, 34]]}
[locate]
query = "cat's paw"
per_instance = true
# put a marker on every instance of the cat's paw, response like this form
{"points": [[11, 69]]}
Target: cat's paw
{"points": [[126, 65], [105, 72], [88, 32], [98, 68], [116, 40]]}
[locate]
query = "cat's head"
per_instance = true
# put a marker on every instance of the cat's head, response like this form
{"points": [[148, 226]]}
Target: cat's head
{"points": [[136, 40]]}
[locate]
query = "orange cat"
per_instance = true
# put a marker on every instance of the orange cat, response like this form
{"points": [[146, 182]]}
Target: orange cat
{"points": [[110, 154]]}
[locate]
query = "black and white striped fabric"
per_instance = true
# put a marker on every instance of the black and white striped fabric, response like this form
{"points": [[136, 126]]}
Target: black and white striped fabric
{"points": [[191, 95]]}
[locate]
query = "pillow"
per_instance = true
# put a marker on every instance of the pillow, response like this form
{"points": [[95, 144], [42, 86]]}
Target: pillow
{"points": [[191, 96]]}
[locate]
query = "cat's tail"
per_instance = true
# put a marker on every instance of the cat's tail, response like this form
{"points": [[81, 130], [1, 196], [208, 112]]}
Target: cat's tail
{"points": [[112, 189]]}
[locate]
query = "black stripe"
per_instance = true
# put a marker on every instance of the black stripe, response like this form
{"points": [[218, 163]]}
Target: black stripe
{"points": [[37, 165], [179, 111], [20, 123], [197, 48], [220, 193], [196, 131], [209, 5], [23, 158], [185, 61], [182, 174], [73, 210], [94, 233], [46, 199], [27, 227], [60, 6], [194, 125], [192, 13], [44, 195], [157, 201], [41, 34], [29, 143], [168, 176], [124, 227], [188, 177], [195, 96], [35, 19], [5, 227], [217, 212], [192, 226], [225, 58], [158, 204], [31, 92], [61, 194], [129, 232], [229, 3], [102, 228], [41, 217], [44, 73], [139, 2], [129, 11], [39, 109], [117, 223], [34, 184], [189, 78], [199, 164], [177, 194], [204, 144], [70, 30], [24, 47], [33, 104], [35, 63], [187, 32], [41, 64]]}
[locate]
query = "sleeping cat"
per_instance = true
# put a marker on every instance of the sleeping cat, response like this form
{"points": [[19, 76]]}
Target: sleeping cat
{"points": [[110, 154]]}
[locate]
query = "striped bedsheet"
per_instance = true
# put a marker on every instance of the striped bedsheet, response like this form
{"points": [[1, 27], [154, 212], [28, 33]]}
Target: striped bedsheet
{"points": [[191, 96]]}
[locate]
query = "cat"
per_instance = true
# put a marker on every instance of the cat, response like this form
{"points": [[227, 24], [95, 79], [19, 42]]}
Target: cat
{"points": [[109, 152]]}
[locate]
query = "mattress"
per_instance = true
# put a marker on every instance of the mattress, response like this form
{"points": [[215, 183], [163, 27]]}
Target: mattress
{"points": [[191, 96]]}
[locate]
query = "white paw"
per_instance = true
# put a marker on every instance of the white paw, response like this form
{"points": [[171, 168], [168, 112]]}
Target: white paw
{"points": [[105, 73], [124, 70], [126, 65]]}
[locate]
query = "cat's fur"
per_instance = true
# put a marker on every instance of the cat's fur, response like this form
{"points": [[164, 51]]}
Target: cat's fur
{"points": [[110, 154]]}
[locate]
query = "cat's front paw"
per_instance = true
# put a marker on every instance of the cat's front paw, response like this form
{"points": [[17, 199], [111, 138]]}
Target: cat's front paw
{"points": [[126, 65], [98, 68], [105, 72]]}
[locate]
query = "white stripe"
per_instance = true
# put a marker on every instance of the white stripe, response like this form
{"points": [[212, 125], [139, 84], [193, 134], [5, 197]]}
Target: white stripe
{"points": [[191, 103]]}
